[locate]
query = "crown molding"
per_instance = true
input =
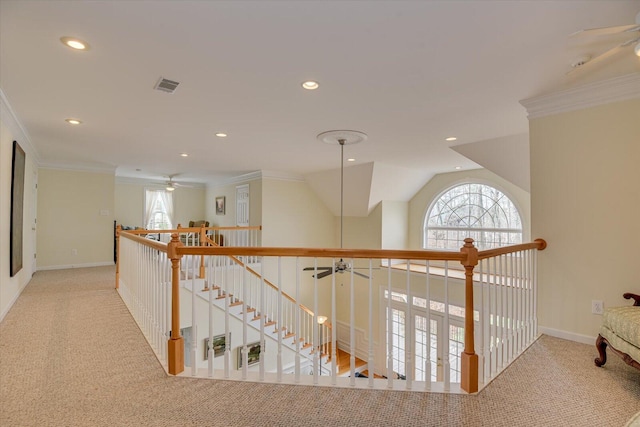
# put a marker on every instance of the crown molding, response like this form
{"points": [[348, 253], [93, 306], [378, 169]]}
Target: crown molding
{"points": [[261, 174], [111, 170], [282, 176], [20, 134], [589, 95], [155, 182]]}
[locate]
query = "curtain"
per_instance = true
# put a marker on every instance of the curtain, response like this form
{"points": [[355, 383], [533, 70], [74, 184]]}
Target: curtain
{"points": [[158, 201], [149, 202], [167, 199]]}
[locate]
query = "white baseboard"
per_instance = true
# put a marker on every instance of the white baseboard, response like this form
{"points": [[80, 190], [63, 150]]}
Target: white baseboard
{"points": [[65, 267], [584, 339], [13, 300]]}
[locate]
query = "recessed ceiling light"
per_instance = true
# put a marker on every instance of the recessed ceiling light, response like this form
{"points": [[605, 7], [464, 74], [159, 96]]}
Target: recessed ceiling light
{"points": [[184, 155], [221, 135], [310, 85], [75, 43], [73, 121], [351, 160], [458, 168], [451, 138]]}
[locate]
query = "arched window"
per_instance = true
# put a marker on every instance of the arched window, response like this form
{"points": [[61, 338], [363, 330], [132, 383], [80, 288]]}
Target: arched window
{"points": [[473, 210]]}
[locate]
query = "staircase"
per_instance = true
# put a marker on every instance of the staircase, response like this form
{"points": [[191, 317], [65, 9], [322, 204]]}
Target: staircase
{"points": [[272, 331]]}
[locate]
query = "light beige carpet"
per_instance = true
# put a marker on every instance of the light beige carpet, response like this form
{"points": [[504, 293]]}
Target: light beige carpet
{"points": [[71, 355]]}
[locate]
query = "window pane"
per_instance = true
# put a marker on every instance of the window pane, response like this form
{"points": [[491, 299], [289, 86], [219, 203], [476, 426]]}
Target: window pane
{"points": [[472, 210]]}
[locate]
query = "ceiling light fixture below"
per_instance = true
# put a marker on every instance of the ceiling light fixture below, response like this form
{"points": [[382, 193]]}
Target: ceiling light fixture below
{"points": [[221, 135], [310, 85], [170, 188], [73, 121], [74, 43], [184, 155], [451, 138]]}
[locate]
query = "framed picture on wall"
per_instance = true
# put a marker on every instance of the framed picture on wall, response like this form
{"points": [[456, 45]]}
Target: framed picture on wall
{"points": [[17, 200], [219, 345], [220, 205], [253, 354]]}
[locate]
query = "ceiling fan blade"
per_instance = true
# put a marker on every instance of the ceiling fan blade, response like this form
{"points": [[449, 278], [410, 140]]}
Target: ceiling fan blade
{"points": [[605, 55], [606, 30], [323, 274], [318, 268], [360, 274]]}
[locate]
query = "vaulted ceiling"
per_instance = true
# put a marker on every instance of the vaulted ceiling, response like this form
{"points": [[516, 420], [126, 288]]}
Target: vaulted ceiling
{"points": [[409, 74]]}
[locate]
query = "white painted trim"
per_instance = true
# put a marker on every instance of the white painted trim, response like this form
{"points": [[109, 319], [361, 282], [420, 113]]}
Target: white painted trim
{"points": [[589, 95], [571, 336], [362, 343], [261, 174], [155, 182], [282, 176], [65, 267]]}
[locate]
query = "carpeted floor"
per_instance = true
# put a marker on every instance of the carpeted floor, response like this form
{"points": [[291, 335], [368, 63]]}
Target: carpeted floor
{"points": [[71, 355]]}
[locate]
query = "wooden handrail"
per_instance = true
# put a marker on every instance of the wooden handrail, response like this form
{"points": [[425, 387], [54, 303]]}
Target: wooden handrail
{"points": [[134, 235], [539, 244], [322, 252], [256, 274]]}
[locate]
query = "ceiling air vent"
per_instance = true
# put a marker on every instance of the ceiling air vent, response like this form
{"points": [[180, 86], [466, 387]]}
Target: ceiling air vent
{"points": [[166, 85]]}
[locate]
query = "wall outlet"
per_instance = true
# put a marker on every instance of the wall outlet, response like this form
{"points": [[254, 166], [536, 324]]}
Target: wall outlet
{"points": [[74, 252], [597, 307]]}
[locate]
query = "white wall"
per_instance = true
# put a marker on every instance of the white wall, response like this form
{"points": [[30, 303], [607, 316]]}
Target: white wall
{"points": [[10, 130], [75, 213], [585, 203]]}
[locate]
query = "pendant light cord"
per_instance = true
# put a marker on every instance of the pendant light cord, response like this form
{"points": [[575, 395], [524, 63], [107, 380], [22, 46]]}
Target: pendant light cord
{"points": [[341, 141]]}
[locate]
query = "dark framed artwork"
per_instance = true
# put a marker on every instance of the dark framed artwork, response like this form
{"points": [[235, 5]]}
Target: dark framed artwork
{"points": [[17, 207], [219, 345], [220, 205]]}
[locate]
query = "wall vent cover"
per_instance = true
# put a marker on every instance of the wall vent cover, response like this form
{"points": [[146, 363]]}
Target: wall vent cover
{"points": [[166, 85]]}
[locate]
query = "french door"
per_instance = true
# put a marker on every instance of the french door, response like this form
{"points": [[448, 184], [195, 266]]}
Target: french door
{"points": [[427, 345]]}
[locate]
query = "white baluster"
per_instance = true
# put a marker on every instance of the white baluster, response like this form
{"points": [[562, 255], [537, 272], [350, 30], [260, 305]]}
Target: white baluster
{"points": [[334, 327], [370, 362], [280, 320], [445, 327], [427, 363], [409, 372], [389, 329]]}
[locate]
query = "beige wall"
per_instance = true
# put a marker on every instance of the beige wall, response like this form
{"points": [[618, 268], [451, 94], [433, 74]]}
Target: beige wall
{"points": [[229, 192], [189, 203], [421, 201], [10, 287], [395, 225], [75, 212], [585, 203]]}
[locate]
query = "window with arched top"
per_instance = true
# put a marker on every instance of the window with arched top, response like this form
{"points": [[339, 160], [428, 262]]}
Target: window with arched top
{"points": [[479, 211]]}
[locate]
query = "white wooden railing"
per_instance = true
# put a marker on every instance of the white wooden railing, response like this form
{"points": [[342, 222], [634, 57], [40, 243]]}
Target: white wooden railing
{"points": [[491, 293]]}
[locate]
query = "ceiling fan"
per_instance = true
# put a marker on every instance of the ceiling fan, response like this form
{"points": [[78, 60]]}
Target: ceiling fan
{"points": [[633, 30], [172, 185], [342, 138]]}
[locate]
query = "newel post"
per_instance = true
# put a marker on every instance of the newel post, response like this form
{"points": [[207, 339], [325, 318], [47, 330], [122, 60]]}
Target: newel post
{"points": [[118, 229], [176, 342], [469, 358]]}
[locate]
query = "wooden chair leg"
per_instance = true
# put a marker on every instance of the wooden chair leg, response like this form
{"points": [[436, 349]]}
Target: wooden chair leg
{"points": [[601, 345]]}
